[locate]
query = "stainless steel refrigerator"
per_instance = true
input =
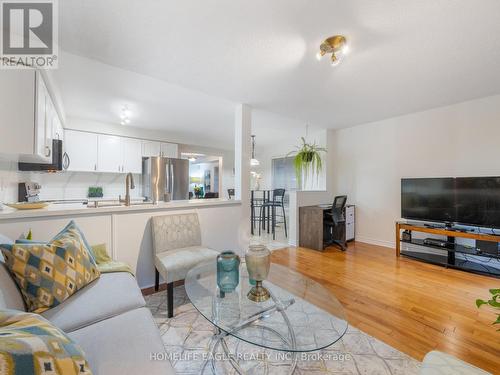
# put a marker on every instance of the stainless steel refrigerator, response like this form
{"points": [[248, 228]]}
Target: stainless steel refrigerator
{"points": [[165, 178]]}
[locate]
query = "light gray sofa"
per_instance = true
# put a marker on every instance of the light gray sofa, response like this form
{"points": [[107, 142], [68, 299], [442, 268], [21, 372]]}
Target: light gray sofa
{"points": [[108, 319]]}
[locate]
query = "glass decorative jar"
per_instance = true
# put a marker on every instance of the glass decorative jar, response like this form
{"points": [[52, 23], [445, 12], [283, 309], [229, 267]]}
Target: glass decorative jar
{"points": [[228, 272], [258, 262]]}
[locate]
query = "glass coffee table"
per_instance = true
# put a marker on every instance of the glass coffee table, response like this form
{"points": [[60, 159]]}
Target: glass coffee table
{"points": [[301, 316]]}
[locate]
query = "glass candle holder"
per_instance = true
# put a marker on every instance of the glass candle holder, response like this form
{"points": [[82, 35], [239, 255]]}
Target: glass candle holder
{"points": [[258, 262], [228, 272]]}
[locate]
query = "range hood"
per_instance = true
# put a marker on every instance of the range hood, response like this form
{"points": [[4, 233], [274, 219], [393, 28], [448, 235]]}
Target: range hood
{"points": [[56, 165]]}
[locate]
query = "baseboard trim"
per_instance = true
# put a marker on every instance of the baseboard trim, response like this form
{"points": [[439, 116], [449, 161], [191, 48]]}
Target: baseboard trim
{"points": [[373, 241], [163, 286]]}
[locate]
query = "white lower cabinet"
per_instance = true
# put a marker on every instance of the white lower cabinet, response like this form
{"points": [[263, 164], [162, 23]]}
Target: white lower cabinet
{"points": [[81, 148]]}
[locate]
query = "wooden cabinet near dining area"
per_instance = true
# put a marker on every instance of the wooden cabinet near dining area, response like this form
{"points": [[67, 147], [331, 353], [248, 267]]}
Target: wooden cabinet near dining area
{"points": [[311, 228]]}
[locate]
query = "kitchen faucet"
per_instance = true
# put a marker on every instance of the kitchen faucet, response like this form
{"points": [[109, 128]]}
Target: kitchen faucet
{"points": [[129, 184]]}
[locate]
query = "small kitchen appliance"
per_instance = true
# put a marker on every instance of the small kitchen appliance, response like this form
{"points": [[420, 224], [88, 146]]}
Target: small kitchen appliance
{"points": [[29, 192]]}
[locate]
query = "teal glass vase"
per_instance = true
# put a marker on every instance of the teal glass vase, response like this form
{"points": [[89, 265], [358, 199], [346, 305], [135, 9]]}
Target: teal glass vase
{"points": [[228, 272]]}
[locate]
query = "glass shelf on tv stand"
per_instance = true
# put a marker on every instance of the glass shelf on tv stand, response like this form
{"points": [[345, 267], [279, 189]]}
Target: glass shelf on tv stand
{"points": [[452, 247]]}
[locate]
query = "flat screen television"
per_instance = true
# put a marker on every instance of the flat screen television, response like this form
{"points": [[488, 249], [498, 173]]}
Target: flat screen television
{"points": [[471, 201], [478, 201], [428, 199]]}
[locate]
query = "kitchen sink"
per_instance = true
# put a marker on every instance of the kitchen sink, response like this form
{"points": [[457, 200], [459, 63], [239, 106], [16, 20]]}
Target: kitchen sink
{"points": [[116, 203]]}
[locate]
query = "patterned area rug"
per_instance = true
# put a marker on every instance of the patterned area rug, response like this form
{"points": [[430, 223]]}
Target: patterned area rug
{"points": [[187, 338]]}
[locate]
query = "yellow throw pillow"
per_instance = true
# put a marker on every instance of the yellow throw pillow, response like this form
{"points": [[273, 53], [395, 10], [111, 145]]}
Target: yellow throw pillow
{"points": [[47, 274], [30, 345]]}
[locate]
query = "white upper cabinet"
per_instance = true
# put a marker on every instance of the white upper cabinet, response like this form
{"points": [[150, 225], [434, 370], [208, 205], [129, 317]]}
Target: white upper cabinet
{"points": [[151, 148], [169, 150], [81, 150], [119, 154], [43, 123], [109, 154], [90, 152], [57, 127], [26, 111], [132, 155]]}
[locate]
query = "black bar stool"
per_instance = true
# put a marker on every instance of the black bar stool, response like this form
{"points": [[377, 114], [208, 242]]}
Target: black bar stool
{"points": [[271, 205], [257, 199]]}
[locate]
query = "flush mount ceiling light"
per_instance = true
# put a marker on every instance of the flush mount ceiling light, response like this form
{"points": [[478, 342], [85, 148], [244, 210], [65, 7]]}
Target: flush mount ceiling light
{"points": [[125, 115], [337, 46], [254, 162]]}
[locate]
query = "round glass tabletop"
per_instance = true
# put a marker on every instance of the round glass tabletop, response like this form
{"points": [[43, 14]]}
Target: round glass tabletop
{"points": [[301, 316]]}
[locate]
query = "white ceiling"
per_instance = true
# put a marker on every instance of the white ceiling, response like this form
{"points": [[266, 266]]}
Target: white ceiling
{"points": [[95, 91], [405, 56]]}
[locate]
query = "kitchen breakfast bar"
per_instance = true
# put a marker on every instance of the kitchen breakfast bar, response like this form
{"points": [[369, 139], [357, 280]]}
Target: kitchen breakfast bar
{"points": [[126, 230]]}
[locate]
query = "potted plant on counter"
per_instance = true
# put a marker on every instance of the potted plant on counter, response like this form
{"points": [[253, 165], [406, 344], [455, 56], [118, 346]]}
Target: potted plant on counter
{"points": [[307, 161], [198, 191]]}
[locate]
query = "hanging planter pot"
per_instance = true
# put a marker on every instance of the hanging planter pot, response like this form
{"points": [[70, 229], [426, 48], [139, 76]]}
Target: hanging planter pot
{"points": [[308, 157], [307, 161]]}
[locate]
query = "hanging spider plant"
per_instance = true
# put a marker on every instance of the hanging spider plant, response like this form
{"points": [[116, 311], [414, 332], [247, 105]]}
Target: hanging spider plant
{"points": [[307, 161]]}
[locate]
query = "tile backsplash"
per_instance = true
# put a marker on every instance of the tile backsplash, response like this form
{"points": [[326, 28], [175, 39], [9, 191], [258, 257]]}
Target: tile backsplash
{"points": [[63, 185]]}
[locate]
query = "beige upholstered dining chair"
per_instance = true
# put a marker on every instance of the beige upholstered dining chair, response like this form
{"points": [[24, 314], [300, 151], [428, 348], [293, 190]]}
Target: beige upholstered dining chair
{"points": [[177, 249]]}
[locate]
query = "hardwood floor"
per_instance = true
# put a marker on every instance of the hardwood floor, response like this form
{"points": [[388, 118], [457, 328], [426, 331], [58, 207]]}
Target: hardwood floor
{"points": [[412, 306]]}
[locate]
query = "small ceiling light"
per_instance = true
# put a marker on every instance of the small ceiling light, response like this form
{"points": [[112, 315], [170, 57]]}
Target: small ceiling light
{"points": [[336, 46], [254, 162], [125, 116], [192, 159]]}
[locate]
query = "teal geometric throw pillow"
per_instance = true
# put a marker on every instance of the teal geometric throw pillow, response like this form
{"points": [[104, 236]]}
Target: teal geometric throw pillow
{"points": [[30, 345], [47, 274]]}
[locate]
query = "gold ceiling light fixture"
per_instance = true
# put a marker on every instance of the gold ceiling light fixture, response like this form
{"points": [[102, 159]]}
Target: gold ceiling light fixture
{"points": [[337, 46]]}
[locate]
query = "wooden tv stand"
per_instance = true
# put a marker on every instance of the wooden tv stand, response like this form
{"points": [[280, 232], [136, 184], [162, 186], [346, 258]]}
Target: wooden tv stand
{"points": [[451, 247]]}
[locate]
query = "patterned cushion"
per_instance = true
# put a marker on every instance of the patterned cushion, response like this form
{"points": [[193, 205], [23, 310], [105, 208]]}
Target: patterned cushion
{"points": [[48, 274], [73, 231], [29, 344]]}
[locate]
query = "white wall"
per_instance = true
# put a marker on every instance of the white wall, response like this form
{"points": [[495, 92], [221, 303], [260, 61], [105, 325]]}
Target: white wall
{"points": [[9, 178], [370, 160]]}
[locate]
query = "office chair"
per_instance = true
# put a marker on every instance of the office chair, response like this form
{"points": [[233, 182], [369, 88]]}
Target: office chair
{"points": [[334, 224]]}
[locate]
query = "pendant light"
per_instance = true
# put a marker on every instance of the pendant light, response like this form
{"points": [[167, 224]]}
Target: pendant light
{"points": [[254, 162]]}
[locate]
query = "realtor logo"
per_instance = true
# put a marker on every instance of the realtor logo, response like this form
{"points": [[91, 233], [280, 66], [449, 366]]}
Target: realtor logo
{"points": [[29, 34]]}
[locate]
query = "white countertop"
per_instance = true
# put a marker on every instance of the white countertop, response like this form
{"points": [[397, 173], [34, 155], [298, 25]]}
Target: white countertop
{"points": [[73, 209]]}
